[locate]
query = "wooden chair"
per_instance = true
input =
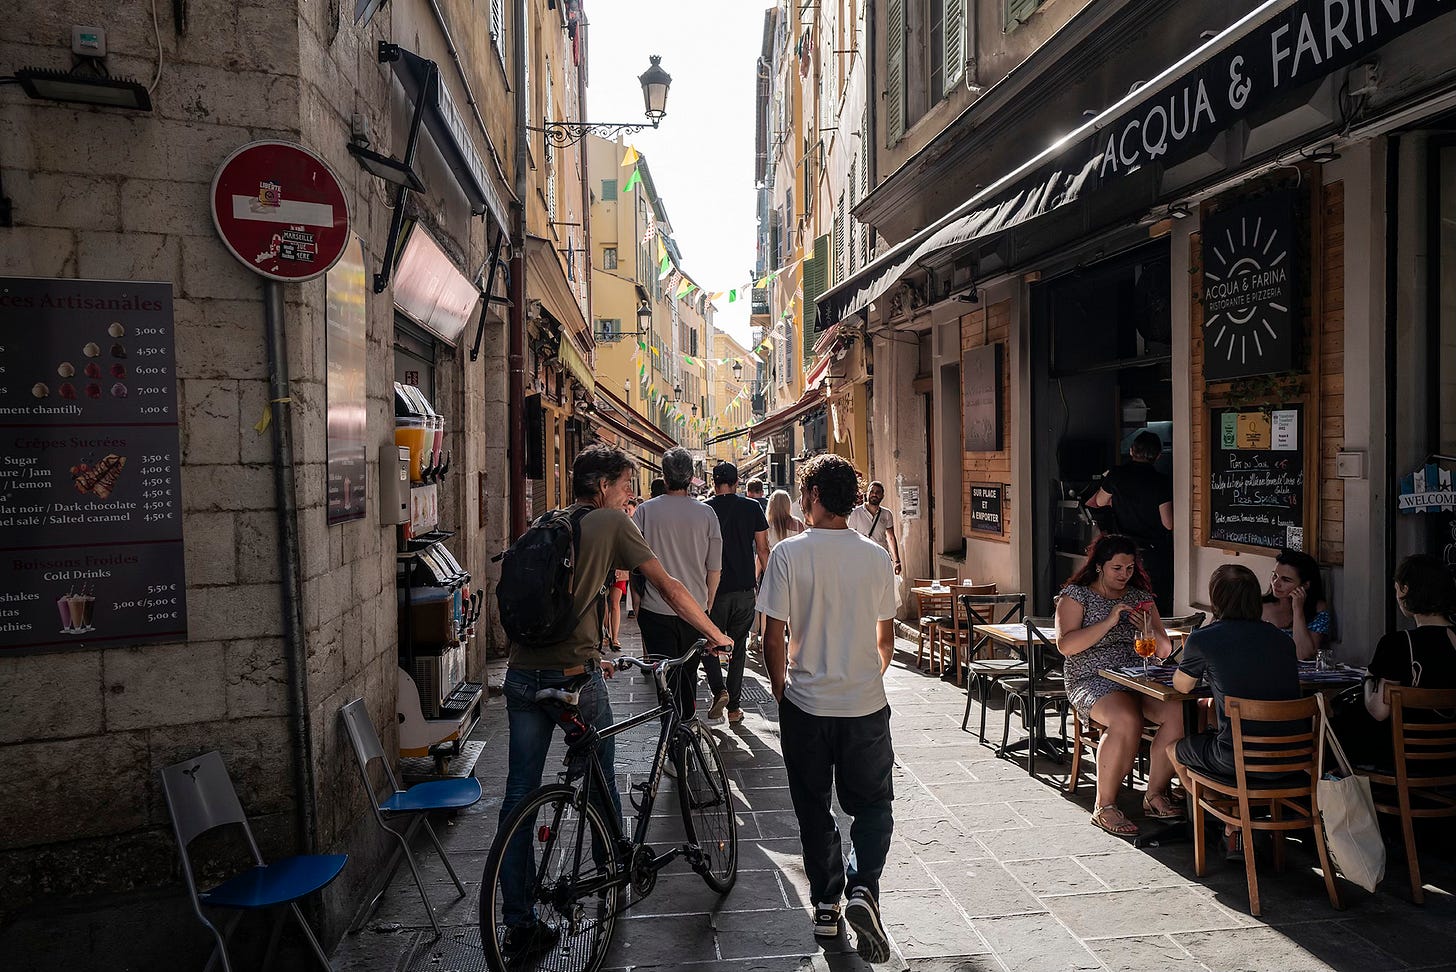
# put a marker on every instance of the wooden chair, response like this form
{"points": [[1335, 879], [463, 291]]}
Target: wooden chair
{"points": [[1277, 773], [932, 609], [952, 638], [1425, 764]]}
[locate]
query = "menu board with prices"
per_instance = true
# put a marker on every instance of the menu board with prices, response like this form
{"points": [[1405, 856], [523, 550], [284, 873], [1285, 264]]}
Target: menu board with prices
{"points": [[1257, 477], [90, 496]]}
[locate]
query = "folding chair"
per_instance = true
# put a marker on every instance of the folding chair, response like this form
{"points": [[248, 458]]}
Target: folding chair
{"points": [[415, 802], [200, 797]]}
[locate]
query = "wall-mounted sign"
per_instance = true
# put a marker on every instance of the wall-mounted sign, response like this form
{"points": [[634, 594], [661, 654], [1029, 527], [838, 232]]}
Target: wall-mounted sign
{"points": [[344, 345], [986, 501], [90, 496], [280, 210], [1250, 288], [1256, 478], [1430, 489], [981, 395]]}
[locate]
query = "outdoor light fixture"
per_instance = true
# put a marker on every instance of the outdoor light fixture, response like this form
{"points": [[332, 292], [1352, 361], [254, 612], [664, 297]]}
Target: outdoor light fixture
{"points": [[644, 314], [84, 89], [1322, 155], [390, 170], [738, 371], [1179, 211], [677, 392], [655, 82]]}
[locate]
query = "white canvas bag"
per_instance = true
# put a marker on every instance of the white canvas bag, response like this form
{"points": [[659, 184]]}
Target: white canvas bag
{"points": [[1347, 813]]}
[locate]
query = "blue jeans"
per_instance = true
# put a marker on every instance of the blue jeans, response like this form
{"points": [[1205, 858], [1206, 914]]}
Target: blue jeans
{"points": [[531, 728]]}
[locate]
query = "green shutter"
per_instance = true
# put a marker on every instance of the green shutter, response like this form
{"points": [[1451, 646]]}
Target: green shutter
{"points": [[954, 42], [816, 281], [1018, 12], [609, 190], [894, 70]]}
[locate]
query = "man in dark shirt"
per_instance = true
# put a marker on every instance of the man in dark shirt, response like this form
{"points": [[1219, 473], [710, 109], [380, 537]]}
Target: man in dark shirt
{"points": [[745, 553], [1141, 498]]}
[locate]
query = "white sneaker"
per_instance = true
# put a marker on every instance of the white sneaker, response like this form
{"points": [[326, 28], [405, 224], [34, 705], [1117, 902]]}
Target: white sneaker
{"points": [[826, 920]]}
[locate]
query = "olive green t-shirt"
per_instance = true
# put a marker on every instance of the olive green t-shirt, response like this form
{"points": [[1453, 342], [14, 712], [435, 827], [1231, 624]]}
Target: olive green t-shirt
{"points": [[610, 541]]}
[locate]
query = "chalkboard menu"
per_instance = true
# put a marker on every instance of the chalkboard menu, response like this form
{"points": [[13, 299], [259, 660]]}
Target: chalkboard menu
{"points": [[1256, 493], [986, 508], [90, 497]]}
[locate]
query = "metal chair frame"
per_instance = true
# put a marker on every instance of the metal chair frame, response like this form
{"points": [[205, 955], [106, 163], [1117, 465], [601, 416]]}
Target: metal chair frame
{"points": [[981, 675], [201, 797], [1042, 686]]}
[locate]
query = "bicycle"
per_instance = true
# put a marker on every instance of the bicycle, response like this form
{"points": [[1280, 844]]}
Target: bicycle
{"points": [[580, 862]]}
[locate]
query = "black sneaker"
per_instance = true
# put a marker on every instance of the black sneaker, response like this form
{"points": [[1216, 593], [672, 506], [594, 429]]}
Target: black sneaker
{"points": [[863, 915], [528, 941], [826, 920]]}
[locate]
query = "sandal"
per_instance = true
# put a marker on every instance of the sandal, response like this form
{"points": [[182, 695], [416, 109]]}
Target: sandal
{"points": [[1112, 820], [1160, 806]]}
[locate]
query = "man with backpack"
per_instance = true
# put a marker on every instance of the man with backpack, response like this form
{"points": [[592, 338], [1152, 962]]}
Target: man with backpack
{"points": [[551, 592]]}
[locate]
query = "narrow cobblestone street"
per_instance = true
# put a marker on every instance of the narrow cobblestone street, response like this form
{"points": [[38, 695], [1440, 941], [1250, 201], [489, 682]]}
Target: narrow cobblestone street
{"points": [[990, 869]]}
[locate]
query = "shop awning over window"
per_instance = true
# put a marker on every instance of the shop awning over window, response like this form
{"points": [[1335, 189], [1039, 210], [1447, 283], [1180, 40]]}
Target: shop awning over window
{"points": [[451, 136], [614, 414], [724, 437], [1110, 168], [753, 466], [575, 363], [812, 399], [546, 281]]}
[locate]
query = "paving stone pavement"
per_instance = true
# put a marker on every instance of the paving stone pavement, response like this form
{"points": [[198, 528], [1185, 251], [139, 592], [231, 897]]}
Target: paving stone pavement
{"points": [[990, 869]]}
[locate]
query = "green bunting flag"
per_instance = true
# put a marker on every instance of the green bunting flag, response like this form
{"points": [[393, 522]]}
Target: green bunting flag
{"points": [[633, 180]]}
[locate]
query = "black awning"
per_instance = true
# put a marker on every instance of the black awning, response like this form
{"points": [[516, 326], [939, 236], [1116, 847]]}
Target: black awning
{"points": [[726, 436], [447, 130], [1112, 165]]}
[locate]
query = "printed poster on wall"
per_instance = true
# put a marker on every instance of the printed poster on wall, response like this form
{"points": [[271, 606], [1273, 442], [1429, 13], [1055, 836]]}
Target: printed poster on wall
{"points": [[90, 496], [981, 387], [909, 502], [345, 348]]}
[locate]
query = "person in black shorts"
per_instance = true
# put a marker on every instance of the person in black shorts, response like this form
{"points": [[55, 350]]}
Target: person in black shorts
{"points": [[1241, 656]]}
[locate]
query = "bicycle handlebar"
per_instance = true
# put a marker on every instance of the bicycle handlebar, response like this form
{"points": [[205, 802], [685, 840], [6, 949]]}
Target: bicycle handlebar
{"points": [[666, 664]]}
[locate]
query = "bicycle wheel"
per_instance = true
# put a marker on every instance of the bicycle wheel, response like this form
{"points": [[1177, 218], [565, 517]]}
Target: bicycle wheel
{"points": [[707, 807], [549, 846]]}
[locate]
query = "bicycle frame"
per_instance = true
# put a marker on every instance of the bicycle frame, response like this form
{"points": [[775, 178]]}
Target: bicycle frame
{"points": [[667, 711]]}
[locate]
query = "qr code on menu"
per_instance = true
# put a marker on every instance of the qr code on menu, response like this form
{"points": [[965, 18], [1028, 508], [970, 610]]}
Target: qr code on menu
{"points": [[1294, 538]]}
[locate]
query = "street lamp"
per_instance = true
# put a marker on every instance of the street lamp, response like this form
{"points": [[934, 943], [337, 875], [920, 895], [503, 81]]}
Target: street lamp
{"points": [[655, 83], [677, 392], [644, 314], [738, 371]]}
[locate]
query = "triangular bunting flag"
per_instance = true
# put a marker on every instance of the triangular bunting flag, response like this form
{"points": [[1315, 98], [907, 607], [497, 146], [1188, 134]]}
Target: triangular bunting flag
{"points": [[633, 180], [631, 157]]}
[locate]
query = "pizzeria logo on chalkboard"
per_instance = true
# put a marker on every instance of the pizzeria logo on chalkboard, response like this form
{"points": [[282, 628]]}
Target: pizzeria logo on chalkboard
{"points": [[1249, 289]]}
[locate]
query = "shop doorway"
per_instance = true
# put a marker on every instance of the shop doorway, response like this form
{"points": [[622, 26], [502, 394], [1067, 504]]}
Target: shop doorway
{"points": [[1102, 372]]}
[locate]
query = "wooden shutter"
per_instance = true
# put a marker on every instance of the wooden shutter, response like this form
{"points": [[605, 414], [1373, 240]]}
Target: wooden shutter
{"points": [[895, 70], [816, 276], [954, 47], [1018, 12], [498, 26], [839, 242]]}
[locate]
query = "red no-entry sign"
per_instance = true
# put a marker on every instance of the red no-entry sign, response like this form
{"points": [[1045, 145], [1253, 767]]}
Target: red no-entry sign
{"points": [[280, 210]]}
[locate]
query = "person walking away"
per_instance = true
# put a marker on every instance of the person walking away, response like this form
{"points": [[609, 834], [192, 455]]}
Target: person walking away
{"points": [[754, 489], [836, 590], [601, 482], [1141, 499], [617, 599], [782, 524], [686, 536], [1241, 657], [745, 554], [872, 520]]}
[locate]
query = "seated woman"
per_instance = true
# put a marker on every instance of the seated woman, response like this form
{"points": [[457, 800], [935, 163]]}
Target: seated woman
{"points": [[1099, 615], [1419, 657], [1241, 656], [1296, 604]]}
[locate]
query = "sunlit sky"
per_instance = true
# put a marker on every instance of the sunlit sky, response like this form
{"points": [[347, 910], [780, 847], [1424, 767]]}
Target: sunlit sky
{"points": [[702, 155]]}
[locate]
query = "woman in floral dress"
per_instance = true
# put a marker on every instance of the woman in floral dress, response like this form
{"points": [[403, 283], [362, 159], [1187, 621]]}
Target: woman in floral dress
{"points": [[1099, 614]]}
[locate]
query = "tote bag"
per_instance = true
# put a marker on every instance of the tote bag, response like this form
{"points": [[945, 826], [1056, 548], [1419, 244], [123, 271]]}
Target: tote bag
{"points": [[1347, 813]]}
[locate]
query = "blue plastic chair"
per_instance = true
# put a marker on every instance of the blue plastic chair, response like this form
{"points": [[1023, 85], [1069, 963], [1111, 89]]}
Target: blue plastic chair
{"points": [[200, 797], [415, 802]]}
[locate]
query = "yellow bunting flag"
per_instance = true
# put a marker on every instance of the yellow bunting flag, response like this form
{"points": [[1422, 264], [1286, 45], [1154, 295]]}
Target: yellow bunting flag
{"points": [[631, 157]]}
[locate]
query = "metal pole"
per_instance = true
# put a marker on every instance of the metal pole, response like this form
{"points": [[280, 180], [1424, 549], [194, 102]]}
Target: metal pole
{"points": [[516, 348], [289, 593]]}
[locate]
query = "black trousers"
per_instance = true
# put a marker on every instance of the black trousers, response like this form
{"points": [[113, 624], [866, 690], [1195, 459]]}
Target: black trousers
{"points": [[668, 636], [733, 612], [855, 757]]}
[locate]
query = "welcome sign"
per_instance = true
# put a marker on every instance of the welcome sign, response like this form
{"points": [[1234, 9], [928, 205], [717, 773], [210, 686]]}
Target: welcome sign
{"points": [[1250, 293]]}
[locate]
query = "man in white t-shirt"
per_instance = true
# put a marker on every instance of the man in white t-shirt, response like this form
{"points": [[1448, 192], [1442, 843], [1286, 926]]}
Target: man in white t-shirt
{"points": [[872, 520], [835, 589]]}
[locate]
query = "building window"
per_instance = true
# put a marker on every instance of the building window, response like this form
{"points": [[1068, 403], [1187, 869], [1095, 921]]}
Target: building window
{"points": [[609, 329], [609, 258], [609, 190], [926, 48], [498, 27], [1019, 12]]}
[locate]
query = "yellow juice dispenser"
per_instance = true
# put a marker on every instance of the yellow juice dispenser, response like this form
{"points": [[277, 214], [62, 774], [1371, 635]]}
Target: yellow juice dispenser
{"points": [[411, 429]]}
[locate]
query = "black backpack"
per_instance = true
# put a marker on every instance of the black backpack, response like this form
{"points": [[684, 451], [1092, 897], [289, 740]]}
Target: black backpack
{"points": [[537, 590]]}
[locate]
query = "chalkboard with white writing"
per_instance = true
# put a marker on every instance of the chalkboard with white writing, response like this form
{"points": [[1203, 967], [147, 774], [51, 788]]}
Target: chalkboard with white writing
{"points": [[1256, 489]]}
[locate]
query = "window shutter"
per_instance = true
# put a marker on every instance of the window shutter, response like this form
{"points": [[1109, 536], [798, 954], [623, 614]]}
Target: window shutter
{"points": [[955, 47], [609, 190], [895, 70], [839, 242], [498, 26], [816, 274], [1018, 12]]}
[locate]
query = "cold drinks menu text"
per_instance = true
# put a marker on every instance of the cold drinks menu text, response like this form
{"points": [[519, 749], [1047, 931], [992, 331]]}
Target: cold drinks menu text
{"points": [[90, 497]]}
